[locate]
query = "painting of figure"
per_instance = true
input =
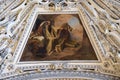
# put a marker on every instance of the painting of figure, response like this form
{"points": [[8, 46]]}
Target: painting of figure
{"points": [[58, 37]]}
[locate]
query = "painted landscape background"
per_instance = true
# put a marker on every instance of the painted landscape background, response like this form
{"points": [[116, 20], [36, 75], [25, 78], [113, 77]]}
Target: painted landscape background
{"points": [[58, 37]]}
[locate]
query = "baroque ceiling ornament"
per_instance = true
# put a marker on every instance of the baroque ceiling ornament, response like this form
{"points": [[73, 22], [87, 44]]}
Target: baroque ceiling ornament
{"points": [[100, 21]]}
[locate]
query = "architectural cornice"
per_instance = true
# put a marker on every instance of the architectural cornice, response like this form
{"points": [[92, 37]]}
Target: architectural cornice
{"points": [[101, 20]]}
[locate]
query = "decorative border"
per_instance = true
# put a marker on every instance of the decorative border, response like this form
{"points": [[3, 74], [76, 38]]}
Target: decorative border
{"points": [[104, 68], [31, 26]]}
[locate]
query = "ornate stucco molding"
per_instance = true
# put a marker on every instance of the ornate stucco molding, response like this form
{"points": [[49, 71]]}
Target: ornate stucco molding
{"points": [[101, 23]]}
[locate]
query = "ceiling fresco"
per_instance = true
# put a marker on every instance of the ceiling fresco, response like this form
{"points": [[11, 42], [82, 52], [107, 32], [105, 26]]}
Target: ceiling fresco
{"points": [[59, 39]]}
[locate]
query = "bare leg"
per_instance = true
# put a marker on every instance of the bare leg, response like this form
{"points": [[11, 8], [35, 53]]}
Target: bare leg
{"points": [[49, 46]]}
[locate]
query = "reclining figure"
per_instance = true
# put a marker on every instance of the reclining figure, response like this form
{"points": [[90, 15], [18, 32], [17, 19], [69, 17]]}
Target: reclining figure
{"points": [[52, 38]]}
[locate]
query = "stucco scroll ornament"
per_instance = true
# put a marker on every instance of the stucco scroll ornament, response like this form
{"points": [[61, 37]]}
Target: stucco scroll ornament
{"points": [[9, 39], [10, 33]]}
